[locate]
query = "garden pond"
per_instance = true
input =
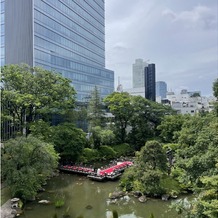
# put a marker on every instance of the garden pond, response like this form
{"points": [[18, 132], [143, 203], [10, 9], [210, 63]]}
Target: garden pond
{"points": [[90, 199]]}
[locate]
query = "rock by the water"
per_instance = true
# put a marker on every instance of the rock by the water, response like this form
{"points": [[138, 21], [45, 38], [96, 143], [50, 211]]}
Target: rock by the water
{"points": [[44, 202], [15, 200], [142, 199], [137, 194], [165, 197], [14, 205], [14, 212], [115, 195]]}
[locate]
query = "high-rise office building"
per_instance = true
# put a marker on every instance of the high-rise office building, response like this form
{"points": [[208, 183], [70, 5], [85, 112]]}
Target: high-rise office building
{"points": [[138, 74], [150, 92], [161, 89], [66, 36]]}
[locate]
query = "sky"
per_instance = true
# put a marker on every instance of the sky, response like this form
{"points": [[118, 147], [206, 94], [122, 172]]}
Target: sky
{"points": [[179, 36]]}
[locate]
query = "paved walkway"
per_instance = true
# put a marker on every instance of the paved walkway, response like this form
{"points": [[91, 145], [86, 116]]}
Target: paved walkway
{"points": [[6, 210]]}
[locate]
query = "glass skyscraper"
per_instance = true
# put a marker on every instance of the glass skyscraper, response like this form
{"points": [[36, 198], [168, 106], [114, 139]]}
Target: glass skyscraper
{"points": [[66, 36], [161, 89], [138, 74], [150, 77]]}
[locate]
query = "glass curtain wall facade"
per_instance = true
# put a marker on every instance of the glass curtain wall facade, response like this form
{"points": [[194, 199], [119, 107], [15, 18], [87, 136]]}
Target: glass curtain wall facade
{"points": [[2, 35], [68, 37], [161, 89], [138, 74], [150, 92]]}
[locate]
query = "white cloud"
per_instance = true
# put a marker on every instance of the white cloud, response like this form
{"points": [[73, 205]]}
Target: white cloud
{"points": [[199, 16], [180, 38]]}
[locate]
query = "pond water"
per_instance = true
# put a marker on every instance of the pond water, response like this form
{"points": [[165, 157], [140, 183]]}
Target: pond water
{"points": [[79, 191]]}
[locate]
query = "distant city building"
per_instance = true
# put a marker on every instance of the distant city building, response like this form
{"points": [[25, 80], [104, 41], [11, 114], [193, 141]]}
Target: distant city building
{"points": [[63, 36], [190, 102], [150, 88], [138, 74], [136, 91], [161, 89]]}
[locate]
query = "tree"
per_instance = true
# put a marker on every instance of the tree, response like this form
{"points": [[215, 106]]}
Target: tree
{"points": [[146, 115], [26, 164], [120, 106], [95, 110], [69, 141], [29, 92], [153, 156], [197, 156], [148, 171], [170, 126], [215, 93]]}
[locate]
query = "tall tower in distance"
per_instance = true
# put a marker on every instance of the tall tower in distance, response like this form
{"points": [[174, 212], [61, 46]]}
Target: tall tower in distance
{"points": [[161, 89], [65, 36], [138, 74], [150, 88]]}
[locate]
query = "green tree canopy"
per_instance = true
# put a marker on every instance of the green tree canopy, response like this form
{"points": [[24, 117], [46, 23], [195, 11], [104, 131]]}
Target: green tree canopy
{"points": [[215, 93], [170, 126], [120, 106], [28, 92], [69, 141], [95, 109], [26, 164]]}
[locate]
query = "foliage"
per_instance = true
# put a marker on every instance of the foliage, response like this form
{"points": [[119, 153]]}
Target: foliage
{"points": [[135, 118], [95, 110], [148, 170], [215, 93], [107, 137], [152, 156], [42, 130], [59, 203], [123, 149], [170, 126], [199, 158], [96, 136], [69, 141], [120, 106], [29, 92], [89, 155], [215, 88], [170, 185], [26, 164], [106, 152]]}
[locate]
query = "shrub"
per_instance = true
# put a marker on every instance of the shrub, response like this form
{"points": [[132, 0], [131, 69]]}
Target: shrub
{"points": [[90, 155], [123, 149], [107, 152]]}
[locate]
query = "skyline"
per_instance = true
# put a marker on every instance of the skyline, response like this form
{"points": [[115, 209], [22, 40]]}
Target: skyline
{"points": [[180, 38]]}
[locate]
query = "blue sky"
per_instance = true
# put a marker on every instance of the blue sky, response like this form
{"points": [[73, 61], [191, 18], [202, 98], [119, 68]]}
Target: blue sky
{"points": [[180, 37]]}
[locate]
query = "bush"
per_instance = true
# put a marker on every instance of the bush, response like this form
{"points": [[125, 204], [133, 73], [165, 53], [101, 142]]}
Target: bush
{"points": [[89, 155], [107, 152], [123, 149], [170, 185]]}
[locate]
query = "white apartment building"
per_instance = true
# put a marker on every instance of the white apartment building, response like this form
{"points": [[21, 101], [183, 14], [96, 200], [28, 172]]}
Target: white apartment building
{"points": [[185, 103]]}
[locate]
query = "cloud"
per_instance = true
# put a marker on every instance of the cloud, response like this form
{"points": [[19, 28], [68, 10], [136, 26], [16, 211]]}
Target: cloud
{"points": [[179, 37], [199, 16]]}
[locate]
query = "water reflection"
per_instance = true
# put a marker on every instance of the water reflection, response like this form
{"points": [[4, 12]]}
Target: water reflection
{"points": [[80, 192]]}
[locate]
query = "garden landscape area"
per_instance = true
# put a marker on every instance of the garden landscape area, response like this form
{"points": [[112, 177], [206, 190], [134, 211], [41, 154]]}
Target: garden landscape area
{"points": [[175, 163]]}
